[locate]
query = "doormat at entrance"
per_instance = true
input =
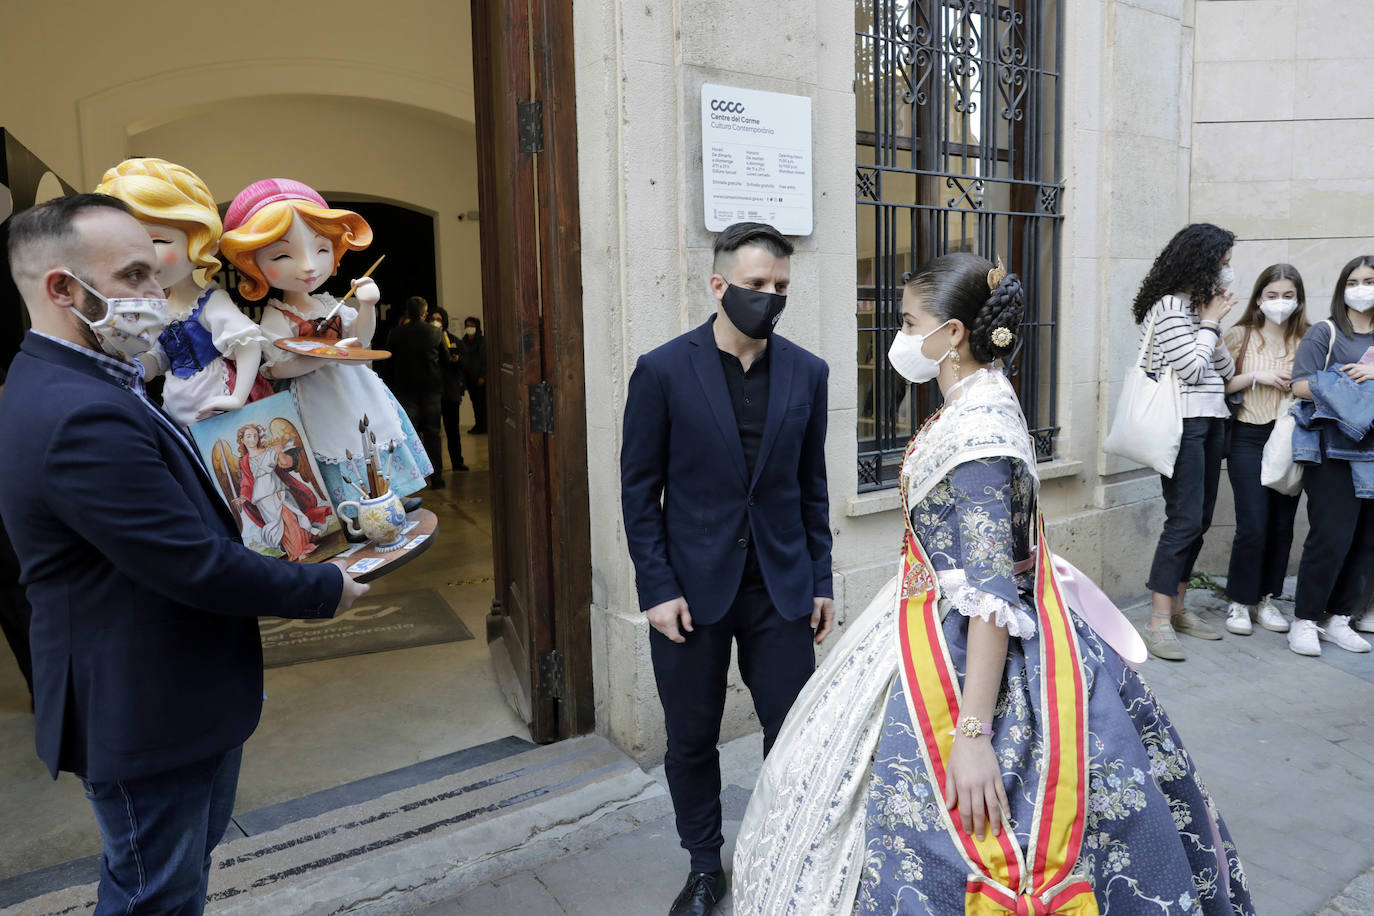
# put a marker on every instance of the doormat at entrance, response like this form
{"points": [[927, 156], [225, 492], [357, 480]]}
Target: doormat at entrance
{"points": [[397, 620]]}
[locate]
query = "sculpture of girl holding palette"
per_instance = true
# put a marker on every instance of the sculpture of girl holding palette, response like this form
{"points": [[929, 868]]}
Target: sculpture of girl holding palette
{"points": [[281, 235], [210, 351]]}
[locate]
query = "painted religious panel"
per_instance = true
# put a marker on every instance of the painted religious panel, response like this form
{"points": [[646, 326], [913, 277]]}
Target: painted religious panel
{"points": [[263, 463]]}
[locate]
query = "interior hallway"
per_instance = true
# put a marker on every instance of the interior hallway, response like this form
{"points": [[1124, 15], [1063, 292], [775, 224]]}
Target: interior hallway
{"points": [[324, 723]]}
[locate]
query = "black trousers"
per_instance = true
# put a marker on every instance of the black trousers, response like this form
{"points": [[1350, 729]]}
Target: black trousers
{"points": [[478, 393], [1189, 498], [424, 411], [1264, 520], [448, 409], [1338, 555], [776, 657]]}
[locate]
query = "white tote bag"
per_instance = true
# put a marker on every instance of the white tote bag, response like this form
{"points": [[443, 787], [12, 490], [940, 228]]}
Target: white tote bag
{"points": [[1148, 424], [1278, 471]]}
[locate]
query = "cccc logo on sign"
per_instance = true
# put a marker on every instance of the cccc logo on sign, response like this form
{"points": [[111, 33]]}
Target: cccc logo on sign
{"points": [[727, 107]]}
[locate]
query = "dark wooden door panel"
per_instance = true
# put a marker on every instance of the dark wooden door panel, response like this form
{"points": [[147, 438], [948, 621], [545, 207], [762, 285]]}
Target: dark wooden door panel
{"points": [[532, 300]]}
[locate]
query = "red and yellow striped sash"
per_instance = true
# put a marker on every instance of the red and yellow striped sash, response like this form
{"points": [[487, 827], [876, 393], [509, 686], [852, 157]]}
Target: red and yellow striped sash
{"points": [[1002, 880]]}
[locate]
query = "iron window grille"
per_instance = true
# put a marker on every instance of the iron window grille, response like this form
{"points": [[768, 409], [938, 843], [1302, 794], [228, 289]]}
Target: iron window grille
{"points": [[958, 149]]}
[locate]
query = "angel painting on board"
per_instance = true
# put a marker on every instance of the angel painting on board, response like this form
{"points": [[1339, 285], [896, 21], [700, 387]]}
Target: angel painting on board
{"points": [[262, 462]]}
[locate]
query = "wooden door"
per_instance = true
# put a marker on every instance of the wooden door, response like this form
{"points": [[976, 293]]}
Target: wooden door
{"points": [[539, 627]]}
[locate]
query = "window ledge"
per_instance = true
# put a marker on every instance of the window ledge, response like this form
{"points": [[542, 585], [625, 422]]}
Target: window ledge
{"points": [[887, 500], [873, 503], [1060, 467]]}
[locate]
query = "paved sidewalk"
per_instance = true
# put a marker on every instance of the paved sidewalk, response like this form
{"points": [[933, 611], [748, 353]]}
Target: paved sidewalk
{"points": [[1285, 744]]}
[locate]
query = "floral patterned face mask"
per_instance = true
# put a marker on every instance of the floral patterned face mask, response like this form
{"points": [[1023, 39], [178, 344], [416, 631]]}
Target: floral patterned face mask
{"points": [[130, 326]]}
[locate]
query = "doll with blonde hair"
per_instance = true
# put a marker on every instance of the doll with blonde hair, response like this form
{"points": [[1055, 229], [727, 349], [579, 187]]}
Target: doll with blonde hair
{"points": [[210, 351], [282, 235]]}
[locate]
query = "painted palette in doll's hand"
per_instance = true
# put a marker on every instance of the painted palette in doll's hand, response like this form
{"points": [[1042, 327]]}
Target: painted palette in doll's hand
{"points": [[327, 348]]}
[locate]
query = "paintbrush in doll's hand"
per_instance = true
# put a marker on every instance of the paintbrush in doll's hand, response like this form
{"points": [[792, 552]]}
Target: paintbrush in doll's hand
{"points": [[351, 290]]}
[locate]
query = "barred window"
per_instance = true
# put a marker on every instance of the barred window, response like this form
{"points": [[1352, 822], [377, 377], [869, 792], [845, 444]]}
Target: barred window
{"points": [[957, 135]]}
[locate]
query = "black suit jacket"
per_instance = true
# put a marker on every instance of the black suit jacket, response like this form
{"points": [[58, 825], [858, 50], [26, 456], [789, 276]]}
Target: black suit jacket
{"points": [[690, 505], [145, 642]]}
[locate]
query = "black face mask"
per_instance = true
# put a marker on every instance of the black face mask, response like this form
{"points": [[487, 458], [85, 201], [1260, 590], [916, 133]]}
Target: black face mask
{"points": [[754, 312]]}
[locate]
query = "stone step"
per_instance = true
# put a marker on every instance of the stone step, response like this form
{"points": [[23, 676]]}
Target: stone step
{"points": [[429, 841]]}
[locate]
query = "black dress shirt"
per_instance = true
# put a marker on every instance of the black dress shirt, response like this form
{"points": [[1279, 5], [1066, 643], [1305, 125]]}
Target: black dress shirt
{"points": [[749, 397]]}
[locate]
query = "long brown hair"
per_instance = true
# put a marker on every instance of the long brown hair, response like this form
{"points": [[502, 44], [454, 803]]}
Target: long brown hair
{"points": [[1297, 324], [1339, 314]]}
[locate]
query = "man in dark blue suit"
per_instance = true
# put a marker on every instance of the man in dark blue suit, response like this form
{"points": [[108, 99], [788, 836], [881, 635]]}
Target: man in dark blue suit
{"points": [[147, 665], [727, 515]]}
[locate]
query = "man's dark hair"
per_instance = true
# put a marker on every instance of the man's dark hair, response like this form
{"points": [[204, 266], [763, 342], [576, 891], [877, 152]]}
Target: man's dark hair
{"points": [[51, 221], [416, 308], [759, 235]]}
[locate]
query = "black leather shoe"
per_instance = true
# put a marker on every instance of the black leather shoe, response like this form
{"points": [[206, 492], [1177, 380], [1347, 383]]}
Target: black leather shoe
{"points": [[436, 482], [700, 894]]}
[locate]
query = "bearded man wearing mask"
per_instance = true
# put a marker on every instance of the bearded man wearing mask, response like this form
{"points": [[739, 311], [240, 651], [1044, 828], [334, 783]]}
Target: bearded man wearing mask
{"points": [[147, 666], [727, 516]]}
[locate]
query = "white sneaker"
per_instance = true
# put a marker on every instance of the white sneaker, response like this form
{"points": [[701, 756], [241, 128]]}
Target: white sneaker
{"points": [[1302, 638], [1366, 623], [1338, 630], [1238, 619], [1271, 618]]}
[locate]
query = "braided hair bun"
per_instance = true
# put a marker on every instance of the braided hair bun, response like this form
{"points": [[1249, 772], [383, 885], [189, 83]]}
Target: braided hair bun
{"points": [[998, 323]]}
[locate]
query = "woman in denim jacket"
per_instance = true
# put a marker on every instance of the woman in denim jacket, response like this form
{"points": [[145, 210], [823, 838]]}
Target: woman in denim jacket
{"points": [[1334, 375]]}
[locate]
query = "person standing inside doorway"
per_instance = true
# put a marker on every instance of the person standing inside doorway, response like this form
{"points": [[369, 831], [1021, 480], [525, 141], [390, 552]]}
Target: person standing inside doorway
{"points": [[453, 389], [727, 517], [147, 665], [475, 372], [419, 353]]}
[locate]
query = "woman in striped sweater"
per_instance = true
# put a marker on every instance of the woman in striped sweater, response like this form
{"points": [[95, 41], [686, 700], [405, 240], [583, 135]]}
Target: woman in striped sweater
{"points": [[1182, 302]]}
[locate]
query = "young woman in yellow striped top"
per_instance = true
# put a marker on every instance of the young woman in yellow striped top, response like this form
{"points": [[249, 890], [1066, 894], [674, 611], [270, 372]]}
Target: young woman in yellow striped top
{"points": [[1263, 344]]}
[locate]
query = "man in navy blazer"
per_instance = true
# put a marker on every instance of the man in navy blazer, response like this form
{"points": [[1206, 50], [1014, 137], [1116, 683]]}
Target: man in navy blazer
{"points": [[146, 659], [727, 516]]}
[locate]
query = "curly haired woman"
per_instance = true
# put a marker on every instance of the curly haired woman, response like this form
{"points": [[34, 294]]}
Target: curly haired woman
{"points": [[1181, 303]]}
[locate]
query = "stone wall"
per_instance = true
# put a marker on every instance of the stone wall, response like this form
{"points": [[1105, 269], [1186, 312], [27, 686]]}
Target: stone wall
{"points": [[1281, 152]]}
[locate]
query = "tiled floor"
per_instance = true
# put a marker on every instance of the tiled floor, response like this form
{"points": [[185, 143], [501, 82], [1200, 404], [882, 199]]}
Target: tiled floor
{"points": [[324, 723]]}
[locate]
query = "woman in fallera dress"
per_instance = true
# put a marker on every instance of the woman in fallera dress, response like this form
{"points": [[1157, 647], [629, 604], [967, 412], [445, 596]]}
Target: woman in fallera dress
{"points": [[972, 745]]}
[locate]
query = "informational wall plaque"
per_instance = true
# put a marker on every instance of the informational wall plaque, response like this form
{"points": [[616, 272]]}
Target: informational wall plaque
{"points": [[756, 158]]}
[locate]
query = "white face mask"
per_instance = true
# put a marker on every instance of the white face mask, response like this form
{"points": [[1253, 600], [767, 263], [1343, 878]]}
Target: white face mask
{"points": [[1278, 310], [1360, 298], [1227, 277], [909, 359], [130, 326]]}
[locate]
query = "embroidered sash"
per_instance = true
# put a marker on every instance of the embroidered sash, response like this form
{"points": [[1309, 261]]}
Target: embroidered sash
{"points": [[1002, 881]]}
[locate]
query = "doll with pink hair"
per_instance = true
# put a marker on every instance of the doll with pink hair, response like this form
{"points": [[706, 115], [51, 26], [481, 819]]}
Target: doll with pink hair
{"points": [[282, 235]]}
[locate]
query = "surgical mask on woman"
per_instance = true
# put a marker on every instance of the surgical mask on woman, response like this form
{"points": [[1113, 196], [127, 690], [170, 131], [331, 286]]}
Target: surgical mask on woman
{"points": [[909, 359], [1360, 298], [1278, 310], [1227, 277]]}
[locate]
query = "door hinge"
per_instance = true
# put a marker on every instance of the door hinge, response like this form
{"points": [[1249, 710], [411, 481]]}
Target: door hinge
{"points": [[541, 408], [529, 119], [551, 674]]}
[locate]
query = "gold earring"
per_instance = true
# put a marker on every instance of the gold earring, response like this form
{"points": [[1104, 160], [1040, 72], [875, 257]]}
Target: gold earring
{"points": [[954, 358]]}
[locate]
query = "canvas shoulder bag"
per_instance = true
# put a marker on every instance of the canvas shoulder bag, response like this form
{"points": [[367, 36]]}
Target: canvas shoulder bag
{"points": [[1148, 424], [1278, 470]]}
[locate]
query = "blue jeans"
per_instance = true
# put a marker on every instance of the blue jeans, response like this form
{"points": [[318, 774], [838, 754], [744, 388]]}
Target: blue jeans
{"points": [[158, 832], [1189, 498]]}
